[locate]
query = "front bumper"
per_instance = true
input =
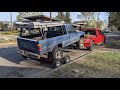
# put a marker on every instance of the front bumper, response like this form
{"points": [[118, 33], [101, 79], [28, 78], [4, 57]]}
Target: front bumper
{"points": [[28, 54]]}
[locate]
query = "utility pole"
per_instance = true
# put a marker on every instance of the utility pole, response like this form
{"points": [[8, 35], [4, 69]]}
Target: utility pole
{"points": [[50, 16], [11, 20], [97, 19]]}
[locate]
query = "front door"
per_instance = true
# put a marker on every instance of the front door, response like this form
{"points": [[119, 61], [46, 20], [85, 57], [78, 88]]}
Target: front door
{"points": [[99, 38], [72, 34]]}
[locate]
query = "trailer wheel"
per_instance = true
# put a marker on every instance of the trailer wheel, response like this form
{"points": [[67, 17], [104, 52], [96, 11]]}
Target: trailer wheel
{"points": [[81, 43], [57, 53], [56, 63], [66, 59]]}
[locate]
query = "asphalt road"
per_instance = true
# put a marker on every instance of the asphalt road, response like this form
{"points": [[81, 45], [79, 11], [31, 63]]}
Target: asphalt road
{"points": [[113, 35], [13, 65]]}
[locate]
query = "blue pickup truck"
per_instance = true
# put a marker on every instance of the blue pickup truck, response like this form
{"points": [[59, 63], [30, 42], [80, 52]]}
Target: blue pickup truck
{"points": [[37, 38]]}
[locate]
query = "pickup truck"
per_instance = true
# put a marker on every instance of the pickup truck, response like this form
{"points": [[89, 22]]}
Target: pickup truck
{"points": [[38, 38]]}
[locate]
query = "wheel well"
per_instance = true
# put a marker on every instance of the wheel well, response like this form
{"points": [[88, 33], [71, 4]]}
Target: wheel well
{"points": [[60, 45], [82, 36]]}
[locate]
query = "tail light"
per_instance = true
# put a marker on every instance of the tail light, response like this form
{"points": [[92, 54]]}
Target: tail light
{"points": [[39, 47]]}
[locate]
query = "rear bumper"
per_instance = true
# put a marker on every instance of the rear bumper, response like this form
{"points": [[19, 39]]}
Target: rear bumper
{"points": [[29, 54]]}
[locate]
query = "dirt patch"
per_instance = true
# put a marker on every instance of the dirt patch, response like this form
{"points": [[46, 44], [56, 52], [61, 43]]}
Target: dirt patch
{"points": [[8, 38]]}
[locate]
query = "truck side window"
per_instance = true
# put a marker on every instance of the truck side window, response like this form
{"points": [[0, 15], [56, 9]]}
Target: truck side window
{"points": [[71, 29], [64, 30], [59, 29]]}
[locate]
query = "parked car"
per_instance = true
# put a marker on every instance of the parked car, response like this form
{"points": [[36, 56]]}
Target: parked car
{"points": [[38, 38]]}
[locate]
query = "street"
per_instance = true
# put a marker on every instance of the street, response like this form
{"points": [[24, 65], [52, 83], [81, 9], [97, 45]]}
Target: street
{"points": [[13, 65]]}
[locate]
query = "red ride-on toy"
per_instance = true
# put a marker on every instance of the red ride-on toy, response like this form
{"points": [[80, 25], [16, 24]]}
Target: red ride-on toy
{"points": [[92, 36], [86, 43]]}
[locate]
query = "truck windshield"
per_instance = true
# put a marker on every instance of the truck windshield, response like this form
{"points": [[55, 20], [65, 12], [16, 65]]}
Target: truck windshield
{"points": [[92, 32]]}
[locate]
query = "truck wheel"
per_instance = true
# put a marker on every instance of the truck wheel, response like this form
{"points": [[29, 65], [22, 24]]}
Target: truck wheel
{"points": [[103, 43], [57, 53], [81, 43], [24, 56], [56, 63], [66, 59]]}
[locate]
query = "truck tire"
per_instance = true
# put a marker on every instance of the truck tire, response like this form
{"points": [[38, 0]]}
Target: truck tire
{"points": [[66, 59], [103, 43], [56, 63], [57, 53], [81, 43]]}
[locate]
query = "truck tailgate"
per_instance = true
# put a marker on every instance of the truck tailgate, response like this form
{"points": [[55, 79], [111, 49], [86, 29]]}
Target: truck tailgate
{"points": [[28, 45]]}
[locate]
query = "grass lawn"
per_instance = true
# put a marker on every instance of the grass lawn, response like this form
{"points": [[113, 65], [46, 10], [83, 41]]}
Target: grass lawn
{"points": [[100, 64], [9, 32]]}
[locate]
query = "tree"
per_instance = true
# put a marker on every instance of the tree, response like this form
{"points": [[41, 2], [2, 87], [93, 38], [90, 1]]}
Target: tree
{"points": [[67, 17], [24, 14], [114, 20], [100, 24], [61, 16], [86, 15]]}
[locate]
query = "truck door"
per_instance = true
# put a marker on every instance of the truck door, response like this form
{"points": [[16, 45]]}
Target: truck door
{"points": [[99, 38], [72, 34]]}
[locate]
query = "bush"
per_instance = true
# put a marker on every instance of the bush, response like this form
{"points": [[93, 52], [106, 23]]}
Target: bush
{"points": [[113, 44]]}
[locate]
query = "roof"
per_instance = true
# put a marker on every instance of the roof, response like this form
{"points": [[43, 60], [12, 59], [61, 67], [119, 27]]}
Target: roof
{"points": [[37, 24], [41, 17], [80, 22], [89, 28]]}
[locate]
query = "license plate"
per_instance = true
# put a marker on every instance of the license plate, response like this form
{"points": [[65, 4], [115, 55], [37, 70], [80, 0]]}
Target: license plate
{"points": [[25, 53]]}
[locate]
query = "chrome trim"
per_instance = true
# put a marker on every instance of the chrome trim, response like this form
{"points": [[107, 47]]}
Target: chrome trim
{"points": [[20, 51], [27, 39]]}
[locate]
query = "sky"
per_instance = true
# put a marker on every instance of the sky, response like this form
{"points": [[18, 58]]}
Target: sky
{"points": [[5, 16]]}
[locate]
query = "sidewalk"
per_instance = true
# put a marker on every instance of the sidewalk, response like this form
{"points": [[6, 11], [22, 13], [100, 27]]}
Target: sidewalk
{"points": [[1, 44]]}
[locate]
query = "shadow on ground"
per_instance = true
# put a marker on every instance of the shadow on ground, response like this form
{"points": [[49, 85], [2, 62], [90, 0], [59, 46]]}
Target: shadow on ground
{"points": [[18, 72]]}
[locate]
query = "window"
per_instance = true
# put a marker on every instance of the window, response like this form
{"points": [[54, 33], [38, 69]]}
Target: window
{"points": [[56, 29], [71, 29], [29, 31], [92, 32]]}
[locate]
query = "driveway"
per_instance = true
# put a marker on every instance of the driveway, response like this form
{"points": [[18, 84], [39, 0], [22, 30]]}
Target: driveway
{"points": [[13, 65]]}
